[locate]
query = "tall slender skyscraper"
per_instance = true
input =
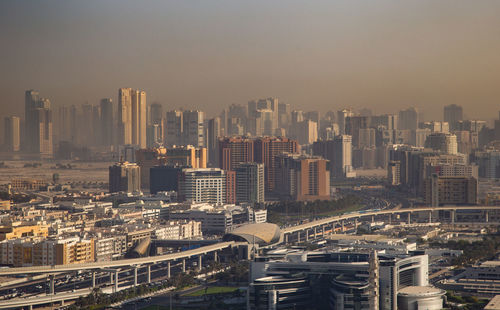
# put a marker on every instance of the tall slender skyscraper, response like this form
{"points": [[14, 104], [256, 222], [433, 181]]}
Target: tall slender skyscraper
{"points": [[107, 121], [65, 125], [12, 133], [213, 132], [139, 118], [453, 114], [132, 117], [342, 164], [156, 125], [38, 124], [341, 119], [124, 117]]}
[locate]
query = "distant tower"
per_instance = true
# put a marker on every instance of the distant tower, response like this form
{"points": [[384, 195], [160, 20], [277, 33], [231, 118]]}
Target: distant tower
{"points": [[12, 133], [173, 134], [342, 164], [453, 114], [139, 117], [213, 132], [38, 124], [124, 134], [107, 121], [341, 119], [192, 128], [408, 119]]}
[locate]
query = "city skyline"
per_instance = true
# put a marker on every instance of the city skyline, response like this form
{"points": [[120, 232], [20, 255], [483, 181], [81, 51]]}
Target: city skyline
{"points": [[384, 54]]}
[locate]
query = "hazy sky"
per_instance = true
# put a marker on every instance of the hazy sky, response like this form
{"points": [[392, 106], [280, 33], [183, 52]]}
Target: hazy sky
{"points": [[384, 55]]}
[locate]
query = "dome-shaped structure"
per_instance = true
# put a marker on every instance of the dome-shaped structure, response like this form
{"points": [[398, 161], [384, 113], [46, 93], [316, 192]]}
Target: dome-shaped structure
{"points": [[261, 234]]}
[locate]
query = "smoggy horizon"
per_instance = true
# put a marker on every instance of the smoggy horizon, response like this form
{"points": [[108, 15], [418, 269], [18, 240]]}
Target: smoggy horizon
{"points": [[321, 55]]}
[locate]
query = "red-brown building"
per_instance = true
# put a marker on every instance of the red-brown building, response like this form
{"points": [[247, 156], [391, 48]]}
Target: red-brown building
{"points": [[236, 150]]}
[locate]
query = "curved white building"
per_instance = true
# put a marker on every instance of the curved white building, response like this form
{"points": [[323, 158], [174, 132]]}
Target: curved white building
{"points": [[420, 297]]}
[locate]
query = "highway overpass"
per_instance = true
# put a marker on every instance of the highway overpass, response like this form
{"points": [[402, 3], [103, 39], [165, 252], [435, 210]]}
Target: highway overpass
{"points": [[123, 262], [331, 222]]}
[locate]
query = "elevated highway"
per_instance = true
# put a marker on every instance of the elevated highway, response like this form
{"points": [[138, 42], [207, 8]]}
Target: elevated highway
{"points": [[325, 223], [123, 262]]}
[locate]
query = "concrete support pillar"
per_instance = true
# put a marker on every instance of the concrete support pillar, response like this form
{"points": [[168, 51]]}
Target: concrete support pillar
{"points": [[110, 277], [314, 229], [199, 263], [52, 284], [149, 272], [286, 239], [215, 253], [183, 265], [373, 218], [93, 278], [390, 218], [307, 235], [430, 217], [298, 237], [409, 218], [342, 223], [135, 275], [30, 307], [486, 216], [356, 224], [168, 269], [323, 230], [116, 281], [452, 216]]}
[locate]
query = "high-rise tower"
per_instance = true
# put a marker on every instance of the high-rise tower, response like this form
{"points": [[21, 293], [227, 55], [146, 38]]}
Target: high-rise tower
{"points": [[124, 134], [139, 117], [38, 124]]}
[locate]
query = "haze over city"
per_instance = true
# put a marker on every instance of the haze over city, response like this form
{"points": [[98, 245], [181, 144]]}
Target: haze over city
{"points": [[324, 55], [255, 155]]}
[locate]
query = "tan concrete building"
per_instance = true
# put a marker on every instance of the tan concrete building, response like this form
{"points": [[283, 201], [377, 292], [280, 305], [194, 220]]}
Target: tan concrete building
{"points": [[15, 232], [38, 252], [440, 190]]}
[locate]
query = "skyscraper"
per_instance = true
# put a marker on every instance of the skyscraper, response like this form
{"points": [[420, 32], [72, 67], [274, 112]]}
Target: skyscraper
{"points": [[65, 125], [342, 164], [233, 151], [107, 121], [341, 119], [453, 114], [124, 117], [353, 124], [408, 119], [250, 183], [301, 177], [139, 117], [192, 128], [86, 129], [132, 117], [38, 124], [156, 125], [173, 135], [213, 132], [444, 142], [12, 133], [185, 128], [266, 149]]}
